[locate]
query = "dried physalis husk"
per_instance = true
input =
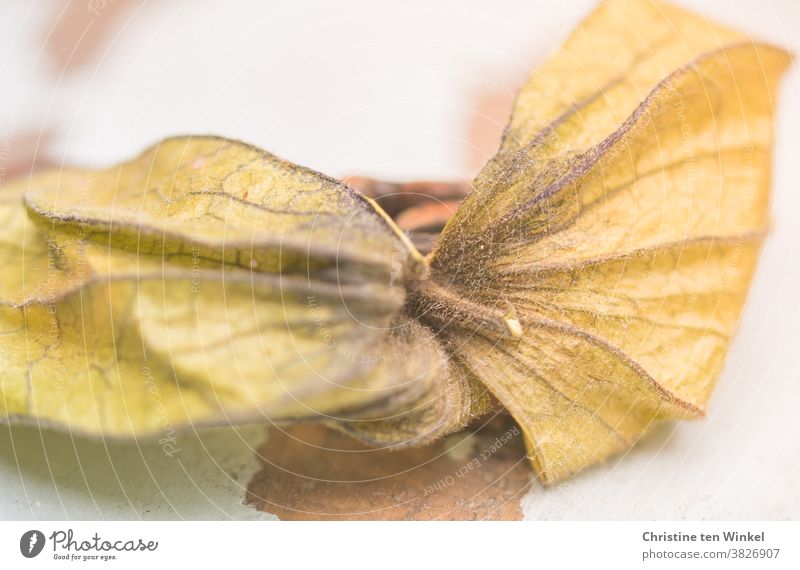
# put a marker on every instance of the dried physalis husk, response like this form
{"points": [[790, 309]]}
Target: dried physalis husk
{"points": [[589, 283], [207, 279]]}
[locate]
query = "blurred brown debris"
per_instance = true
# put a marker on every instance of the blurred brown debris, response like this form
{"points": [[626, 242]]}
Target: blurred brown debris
{"points": [[80, 29], [24, 154]]}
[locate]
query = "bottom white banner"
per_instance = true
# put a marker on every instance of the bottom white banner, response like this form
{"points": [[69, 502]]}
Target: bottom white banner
{"points": [[675, 544]]}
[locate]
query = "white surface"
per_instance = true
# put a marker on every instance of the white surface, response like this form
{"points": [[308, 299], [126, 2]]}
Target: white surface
{"points": [[388, 90], [55, 477]]}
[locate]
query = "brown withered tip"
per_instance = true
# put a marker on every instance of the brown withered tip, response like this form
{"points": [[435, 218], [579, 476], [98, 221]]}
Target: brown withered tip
{"points": [[395, 197], [430, 217], [421, 208]]}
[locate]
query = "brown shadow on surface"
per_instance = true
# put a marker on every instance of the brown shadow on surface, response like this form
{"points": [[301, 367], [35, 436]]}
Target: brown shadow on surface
{"points": [[312, 473]]}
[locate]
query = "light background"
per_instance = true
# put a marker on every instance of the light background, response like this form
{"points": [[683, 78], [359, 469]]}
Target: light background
{"points": [[392, 90]]}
